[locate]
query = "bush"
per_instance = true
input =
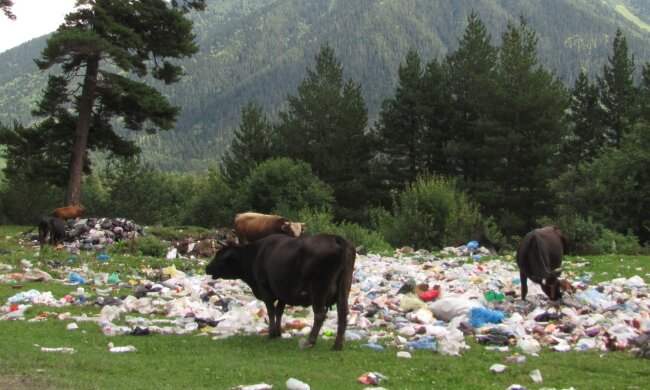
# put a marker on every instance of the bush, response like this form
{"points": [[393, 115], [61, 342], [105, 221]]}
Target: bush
{"points": [[283, 184], [586, 237], [321, 221], [143, 245], [614, 242], [432, 213]]}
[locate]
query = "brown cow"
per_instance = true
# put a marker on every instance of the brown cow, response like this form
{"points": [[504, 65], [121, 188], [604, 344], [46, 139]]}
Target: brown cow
{"points": [[70, 212], [539, 258], [250, 227]]}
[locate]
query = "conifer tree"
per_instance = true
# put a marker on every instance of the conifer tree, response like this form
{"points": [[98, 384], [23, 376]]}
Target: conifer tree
{"points": [[5, 6], [617, 91], [523, 134], [400, 128], [325, 126], [136, 37], [250, 146], [472, 77], [586, 136]]}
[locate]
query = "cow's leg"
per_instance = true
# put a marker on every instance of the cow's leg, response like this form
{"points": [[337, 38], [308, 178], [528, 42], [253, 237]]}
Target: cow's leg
{"points": [[524, 284], [279, 310], [342, 311], [270, 308], [319, 318]]}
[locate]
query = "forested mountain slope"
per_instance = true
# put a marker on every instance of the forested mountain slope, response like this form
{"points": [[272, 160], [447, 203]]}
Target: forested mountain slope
{"points": [[259, 50]]}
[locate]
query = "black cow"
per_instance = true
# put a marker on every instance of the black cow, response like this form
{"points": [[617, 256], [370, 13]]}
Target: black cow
{"points": [[52, 228], [299, 271], [539, 258]]}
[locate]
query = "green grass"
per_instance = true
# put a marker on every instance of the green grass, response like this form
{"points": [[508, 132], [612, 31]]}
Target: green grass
{"points": [[193, 361]]}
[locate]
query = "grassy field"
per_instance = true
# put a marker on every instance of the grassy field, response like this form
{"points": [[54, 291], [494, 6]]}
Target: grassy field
{"points": [[198, 361]]}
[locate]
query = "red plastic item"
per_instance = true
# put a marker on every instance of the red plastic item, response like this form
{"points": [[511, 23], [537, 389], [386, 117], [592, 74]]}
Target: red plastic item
{"points": [[429, 295]]}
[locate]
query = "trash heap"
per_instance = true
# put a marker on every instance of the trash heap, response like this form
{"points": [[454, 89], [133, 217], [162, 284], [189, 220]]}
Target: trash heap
{"points": [[405, 302]]}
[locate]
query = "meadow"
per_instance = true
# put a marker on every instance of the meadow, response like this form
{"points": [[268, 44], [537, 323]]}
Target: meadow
{"points": [[196, 360]]}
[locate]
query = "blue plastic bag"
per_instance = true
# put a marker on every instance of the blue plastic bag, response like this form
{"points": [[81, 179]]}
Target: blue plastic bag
{"points": [[472, 245], [479, 316]]}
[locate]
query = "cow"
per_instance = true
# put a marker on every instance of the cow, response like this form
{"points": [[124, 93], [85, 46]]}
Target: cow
{"points": [[69, 212], [250, 227], [282, 270], [539, 257], [52, 228]]}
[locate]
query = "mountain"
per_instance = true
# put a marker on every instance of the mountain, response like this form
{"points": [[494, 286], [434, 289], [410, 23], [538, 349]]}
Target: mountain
{"points": [[259, 50]]}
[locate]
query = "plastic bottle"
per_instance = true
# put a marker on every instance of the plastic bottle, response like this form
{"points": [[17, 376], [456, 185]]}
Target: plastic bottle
{"points": [[295, 384]]}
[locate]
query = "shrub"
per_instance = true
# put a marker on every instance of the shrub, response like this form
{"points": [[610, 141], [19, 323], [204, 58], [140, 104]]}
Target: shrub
{"points": [[321, 221], [143, 245], [283, 184], [615, 242], [431, 213]]}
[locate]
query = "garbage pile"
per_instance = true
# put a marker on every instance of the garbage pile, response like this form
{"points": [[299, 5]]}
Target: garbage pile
{"points": [[406, 302], [96, 233]]}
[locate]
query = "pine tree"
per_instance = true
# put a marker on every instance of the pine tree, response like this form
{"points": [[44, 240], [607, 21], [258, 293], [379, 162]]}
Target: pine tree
{"points": [[325, 126], [644, 105], [5, 6], [129, 35], [250, 146], [617, 91], [472, 77], [523, 134], [586, 136], [400, 128], [437, 136]]}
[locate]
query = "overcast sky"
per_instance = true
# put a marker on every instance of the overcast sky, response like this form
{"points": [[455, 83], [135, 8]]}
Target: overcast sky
{"points": [[34, 18]]}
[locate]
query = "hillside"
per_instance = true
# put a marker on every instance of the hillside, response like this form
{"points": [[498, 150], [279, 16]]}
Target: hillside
{"points": [[259, 50]]}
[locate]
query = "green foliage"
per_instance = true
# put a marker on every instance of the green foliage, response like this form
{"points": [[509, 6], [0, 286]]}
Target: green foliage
{"points": [[321, 221], [617, 243], [324, 126], [23, 201], [282, 183], [251, 145], [211, 201], [430, 213], [142, 246]]}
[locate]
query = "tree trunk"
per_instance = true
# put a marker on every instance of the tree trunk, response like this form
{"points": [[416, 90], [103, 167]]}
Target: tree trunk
{"points": [[85, 109]]}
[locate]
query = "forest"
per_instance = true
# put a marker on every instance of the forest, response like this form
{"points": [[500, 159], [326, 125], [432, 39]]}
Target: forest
{"points": [[484, 140]]}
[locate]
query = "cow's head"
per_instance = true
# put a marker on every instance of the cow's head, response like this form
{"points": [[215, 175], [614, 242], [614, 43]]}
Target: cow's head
{"points": [[294, 229], [551, 285], [224, 265]]}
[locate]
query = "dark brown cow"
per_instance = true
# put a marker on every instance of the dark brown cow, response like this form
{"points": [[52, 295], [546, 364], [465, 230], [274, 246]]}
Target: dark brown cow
{"points": [[250, 227], [69, 212], [539, 258], [299, 271], [51, 229]]}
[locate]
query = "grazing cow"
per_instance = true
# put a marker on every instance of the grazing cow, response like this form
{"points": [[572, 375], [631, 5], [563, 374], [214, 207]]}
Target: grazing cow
{"points": [[70, 212], [52, 228], [250, 227], [539, 258], [299, 271]]}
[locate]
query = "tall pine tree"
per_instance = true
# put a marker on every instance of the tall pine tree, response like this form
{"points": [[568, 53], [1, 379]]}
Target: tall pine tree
{"points": [[586, 136], [325, 126], [135, 37], [617, 91], [400, 128], [523, 133], [251, 145], [472, 77]]}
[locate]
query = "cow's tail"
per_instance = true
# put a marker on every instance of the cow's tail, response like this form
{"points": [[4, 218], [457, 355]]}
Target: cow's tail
{"points": [[348, 255]]}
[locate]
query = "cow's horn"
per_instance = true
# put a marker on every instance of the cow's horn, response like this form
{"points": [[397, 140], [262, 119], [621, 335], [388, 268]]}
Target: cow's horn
{"points": [[557, 270], [544, 282]]}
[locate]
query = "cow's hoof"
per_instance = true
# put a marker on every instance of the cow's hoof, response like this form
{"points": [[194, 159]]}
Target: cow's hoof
{"points": [[304, 344]]}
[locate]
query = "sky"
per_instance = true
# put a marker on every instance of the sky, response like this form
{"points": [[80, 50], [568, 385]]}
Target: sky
{"points": [[34, 18]]}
